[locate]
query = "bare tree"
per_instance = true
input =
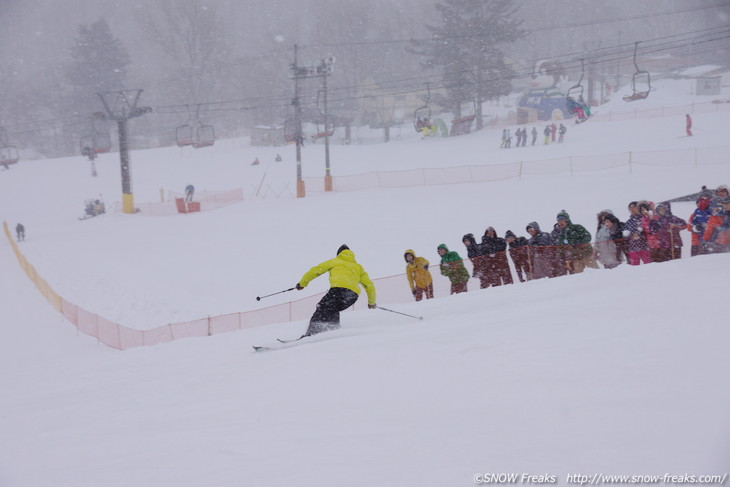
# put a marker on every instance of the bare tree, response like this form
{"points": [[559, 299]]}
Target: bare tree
{"points": [[194, 38]]}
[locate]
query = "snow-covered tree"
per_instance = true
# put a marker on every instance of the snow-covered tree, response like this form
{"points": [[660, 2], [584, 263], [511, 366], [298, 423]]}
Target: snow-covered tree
{"points": [[467, 47], [99, 63]]}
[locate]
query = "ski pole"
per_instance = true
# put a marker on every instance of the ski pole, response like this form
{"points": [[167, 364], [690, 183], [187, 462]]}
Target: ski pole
{"points": [[259, 298], [398, 312]]}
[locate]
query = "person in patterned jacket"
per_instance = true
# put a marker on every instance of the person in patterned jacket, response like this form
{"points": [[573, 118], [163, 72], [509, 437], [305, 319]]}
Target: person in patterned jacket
{"points": [[666, 228], [635, 237], [574, 244]]}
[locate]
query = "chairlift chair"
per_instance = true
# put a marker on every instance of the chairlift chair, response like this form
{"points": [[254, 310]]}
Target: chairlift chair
{"points": [[96, 142], [642, 79], [204, 136], [8, 155], [290, 130], [327, 130], [102, 142], [184, 134], [575, 92]]}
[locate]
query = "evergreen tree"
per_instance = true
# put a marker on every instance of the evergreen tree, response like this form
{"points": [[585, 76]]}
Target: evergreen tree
{"points": [[99, 63], [467, 48]]}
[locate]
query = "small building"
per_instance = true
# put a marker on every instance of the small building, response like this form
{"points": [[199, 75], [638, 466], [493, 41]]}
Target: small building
{"points": [[708, 85], [268, 135]]}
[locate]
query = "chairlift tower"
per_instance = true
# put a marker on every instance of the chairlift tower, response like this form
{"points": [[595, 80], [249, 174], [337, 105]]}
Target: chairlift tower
{"points": [[121, 106], [322, 70]]}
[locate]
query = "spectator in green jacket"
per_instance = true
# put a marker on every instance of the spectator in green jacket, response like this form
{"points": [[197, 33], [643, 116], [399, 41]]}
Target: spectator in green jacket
{"points": [[574, 244], [452, 266]]}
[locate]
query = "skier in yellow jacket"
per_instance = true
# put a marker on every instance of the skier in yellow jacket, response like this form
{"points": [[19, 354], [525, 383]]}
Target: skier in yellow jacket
{"points": [[346, 277], [419, 277]]}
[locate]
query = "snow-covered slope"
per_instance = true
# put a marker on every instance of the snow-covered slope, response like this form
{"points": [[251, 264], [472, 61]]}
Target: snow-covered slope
{"points": [[613, 372]]}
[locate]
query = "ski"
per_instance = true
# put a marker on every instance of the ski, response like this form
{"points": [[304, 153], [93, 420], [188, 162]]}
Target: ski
{"points": [[282, 344], [258, 348], [290, 340]]}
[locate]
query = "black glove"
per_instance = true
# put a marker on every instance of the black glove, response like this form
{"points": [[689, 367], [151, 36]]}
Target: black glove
{"points": [[299, 288], [414, 292]]}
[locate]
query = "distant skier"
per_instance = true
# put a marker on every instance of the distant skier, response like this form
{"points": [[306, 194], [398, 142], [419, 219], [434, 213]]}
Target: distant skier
{"points": [[534, 135], [689, 125], [278, 158], [509, 139], [189, 191], [518, 135], [504, 139], [346, 277], [20, 232], [561, 132], [524, 136], [547, 132], [553, 129]]}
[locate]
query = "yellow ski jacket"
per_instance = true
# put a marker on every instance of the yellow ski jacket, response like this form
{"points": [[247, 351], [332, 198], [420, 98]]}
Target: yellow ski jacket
{"points": [[344, 272], [417, 271]]}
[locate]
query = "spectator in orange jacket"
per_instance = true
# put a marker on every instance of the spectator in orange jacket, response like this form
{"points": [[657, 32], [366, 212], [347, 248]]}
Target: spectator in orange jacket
{"points": [[418, 275], [717, 232]]}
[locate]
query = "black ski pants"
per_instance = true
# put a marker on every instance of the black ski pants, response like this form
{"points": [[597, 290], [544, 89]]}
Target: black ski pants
{"points": [[327, 315]]}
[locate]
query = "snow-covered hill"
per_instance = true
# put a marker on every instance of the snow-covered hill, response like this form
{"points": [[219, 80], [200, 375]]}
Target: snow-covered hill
{"points": [[609, 372]]}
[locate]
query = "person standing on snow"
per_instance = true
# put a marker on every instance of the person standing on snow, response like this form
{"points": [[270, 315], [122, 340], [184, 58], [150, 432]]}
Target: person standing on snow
{"points": [[534, 135], [495, 253], [189, 191], [20, 231], [666, 227], [542, 252], [346, 277], [519, 251], [574, 244], [553, 129], [452, 266], [717, 230], [418, 275], [547, 132], [604, 249], [689, 125], [475, 252], [561, 133], [635, 237], [697, 224]]}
